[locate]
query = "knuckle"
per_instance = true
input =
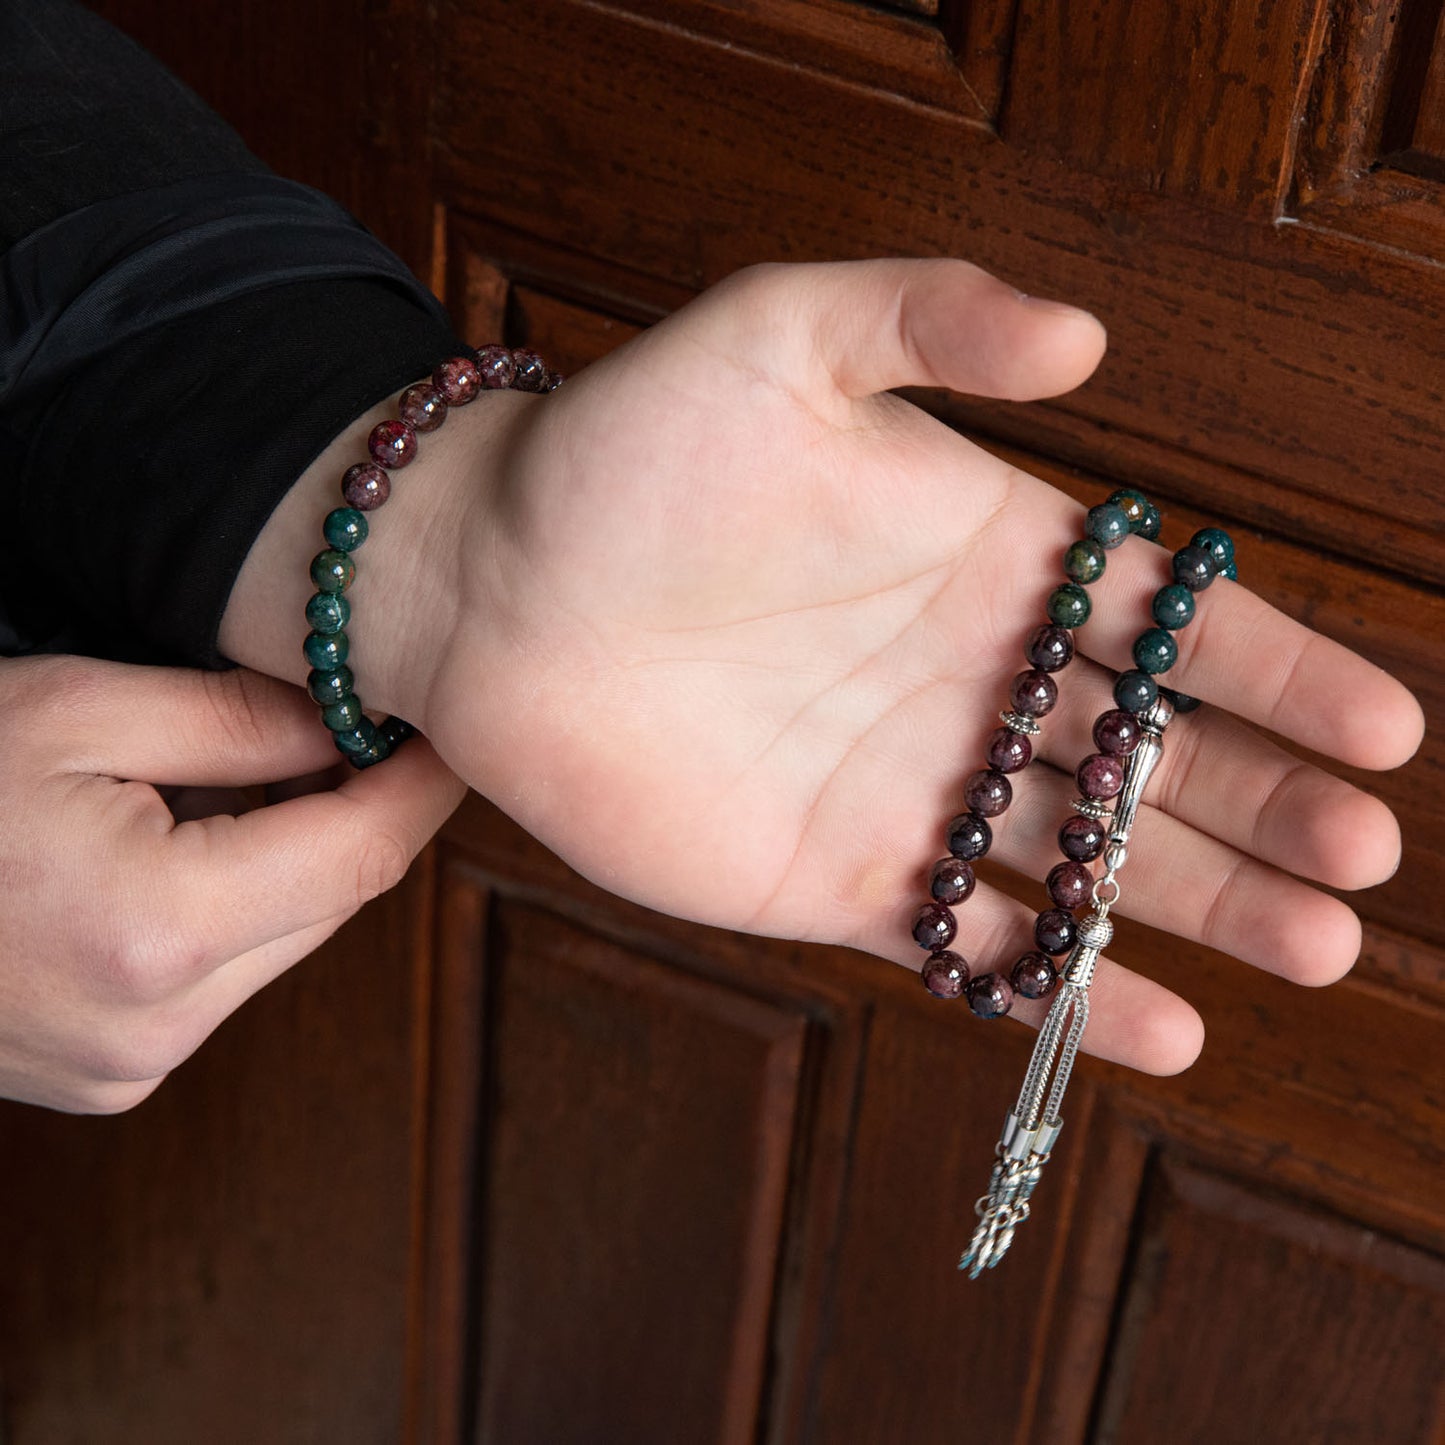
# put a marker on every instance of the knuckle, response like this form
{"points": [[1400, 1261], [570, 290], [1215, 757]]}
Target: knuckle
{"points": [[139, 969], [237, 721]]}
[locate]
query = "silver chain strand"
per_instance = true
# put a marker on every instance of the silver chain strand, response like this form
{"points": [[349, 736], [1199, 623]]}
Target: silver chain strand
{"points": [[1034, 1122]]}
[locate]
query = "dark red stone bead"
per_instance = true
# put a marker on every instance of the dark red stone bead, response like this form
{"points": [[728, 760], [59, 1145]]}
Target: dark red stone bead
{"points": [[1117, 733], [990, 995], [457, 380], [1055, 931], [1082, 838], [945, 974], [969, 837], [421, 407], [1034, 976], [531, 372], [934, 927], [365, 486], [393, 444], [950, 880], [1069, 884], [1050, 648], [988, 793], [1008, 751], [1033, 693], [496, 367], [1100, 776]]}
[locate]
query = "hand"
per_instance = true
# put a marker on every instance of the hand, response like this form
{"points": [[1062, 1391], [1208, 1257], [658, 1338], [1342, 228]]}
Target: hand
{"points": [[726, 625], [127, 937]]}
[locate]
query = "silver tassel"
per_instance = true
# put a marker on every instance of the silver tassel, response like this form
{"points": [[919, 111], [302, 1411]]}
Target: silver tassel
{"points": [[1034, 1122]]}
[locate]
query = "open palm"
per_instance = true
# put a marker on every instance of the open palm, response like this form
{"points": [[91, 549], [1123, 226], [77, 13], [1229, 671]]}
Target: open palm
{"points": [[745, 621]]}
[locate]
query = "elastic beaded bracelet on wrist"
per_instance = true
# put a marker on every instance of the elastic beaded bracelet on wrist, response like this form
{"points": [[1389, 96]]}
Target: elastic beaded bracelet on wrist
{"points": [[365, 487], [1111, 782]]}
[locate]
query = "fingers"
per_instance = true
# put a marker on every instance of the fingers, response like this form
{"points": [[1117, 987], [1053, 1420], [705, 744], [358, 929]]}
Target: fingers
{"points": [[867, 326], [171, 725], [1248, 657], [235, 884]]}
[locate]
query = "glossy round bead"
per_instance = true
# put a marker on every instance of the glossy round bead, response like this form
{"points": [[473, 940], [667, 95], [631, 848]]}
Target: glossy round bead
{"points": [[1232, 572], [1106, 524], [326, 651], [457, 380], [990, 995], [1068, 885], [1034, 975], [357, 740], [1218, 543], [1082, 838], [1008, 751], [422, 407], [1117, 733], [378, 752], [1055, 931], [531, 371], [1099, 776], [1033, 694], [345, 529], [950, 880], [1149, 524], [344, 714], [1132, 503], [496, 367], [1050, 648], [1155, 651], [1069, 605], [394, 731], [332, 571], [1182, 701], [393, 445], [1173, 607], [328, 612], [1135, 691], [969, 837], [330, 685], [945, 974], [365, 486], [1084, 561], [987, 793], [934, 927], [1193, 568]]}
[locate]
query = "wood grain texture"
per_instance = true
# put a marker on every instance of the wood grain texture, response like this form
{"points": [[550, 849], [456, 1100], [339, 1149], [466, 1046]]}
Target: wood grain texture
{"points": [[1326, 1322]]}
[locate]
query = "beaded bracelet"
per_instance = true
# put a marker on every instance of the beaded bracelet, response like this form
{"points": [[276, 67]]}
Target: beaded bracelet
{"points": [[365, 487], [1129, 739]]}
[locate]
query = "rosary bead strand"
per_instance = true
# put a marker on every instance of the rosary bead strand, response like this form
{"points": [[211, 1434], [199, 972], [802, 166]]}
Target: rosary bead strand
{"points": [[365, 487]]}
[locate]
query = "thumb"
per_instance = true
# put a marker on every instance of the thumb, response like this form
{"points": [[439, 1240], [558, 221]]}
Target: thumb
{"points": [[862, 327]]}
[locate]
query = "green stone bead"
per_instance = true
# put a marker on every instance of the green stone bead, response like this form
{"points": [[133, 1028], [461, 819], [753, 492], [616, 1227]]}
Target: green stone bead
{"points": [[328, 612], [332, 571], [1084, 561], [344, 714], [1069, 605], [1132, 503], [1218, 543], [1106, 524], [1149, 527], [1173, 606], [355, 741], [326, 653], [1231, 571], [345, 529], [1155, 651], [378, 752], [330, 685]]}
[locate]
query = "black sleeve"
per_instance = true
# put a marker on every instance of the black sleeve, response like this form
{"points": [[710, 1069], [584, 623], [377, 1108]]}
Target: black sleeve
{"points": [[181, 333]]}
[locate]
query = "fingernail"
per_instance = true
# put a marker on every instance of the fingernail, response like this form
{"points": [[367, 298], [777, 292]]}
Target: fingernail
{"points": [[1056, 308]]}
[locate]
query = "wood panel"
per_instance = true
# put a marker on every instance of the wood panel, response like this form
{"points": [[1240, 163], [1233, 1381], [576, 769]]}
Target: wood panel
{"points": [[1325, 1325]]}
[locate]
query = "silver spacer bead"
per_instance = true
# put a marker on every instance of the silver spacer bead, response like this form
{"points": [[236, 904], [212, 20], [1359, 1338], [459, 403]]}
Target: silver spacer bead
{"points": [[1159, 716], [1092, 808], [1016, 722], [1096, 932]]}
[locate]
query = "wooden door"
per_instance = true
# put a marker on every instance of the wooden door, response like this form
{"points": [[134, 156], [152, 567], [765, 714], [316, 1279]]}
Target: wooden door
{"points": [[514, 1162]]}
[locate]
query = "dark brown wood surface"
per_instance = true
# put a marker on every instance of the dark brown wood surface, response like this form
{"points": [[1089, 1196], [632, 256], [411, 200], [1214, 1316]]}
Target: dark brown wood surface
{"points": [[515, 1162]]}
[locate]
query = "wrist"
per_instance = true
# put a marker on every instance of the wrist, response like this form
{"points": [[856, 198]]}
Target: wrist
{"points": [[405, 597]]}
